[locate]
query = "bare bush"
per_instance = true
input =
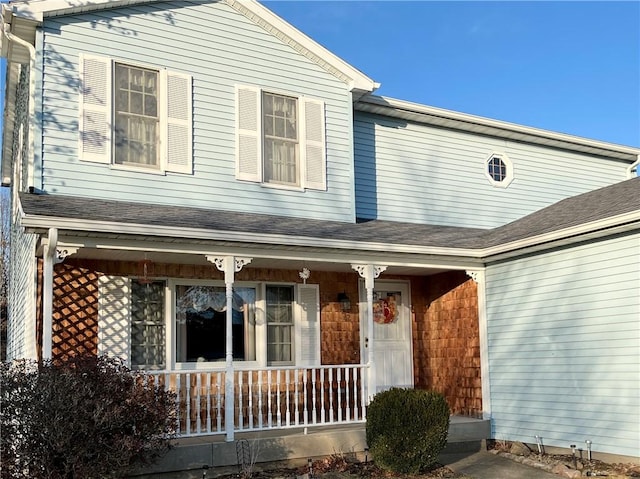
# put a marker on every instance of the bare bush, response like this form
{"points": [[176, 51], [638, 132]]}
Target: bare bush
{"points": [[89, 417]]}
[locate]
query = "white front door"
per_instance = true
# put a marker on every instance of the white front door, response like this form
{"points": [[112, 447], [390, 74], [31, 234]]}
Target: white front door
{"points": [[392, 349]]}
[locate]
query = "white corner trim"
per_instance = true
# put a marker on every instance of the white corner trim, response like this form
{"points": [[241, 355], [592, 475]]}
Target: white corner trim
{"points": [[479, 277]]}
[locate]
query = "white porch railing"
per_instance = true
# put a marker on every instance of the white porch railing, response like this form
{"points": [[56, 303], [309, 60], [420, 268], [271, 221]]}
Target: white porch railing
{"points": [[267, 398]]}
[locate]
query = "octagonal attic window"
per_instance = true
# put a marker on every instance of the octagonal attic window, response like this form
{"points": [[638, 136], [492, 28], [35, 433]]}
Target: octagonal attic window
{"points": [[499, 170]]}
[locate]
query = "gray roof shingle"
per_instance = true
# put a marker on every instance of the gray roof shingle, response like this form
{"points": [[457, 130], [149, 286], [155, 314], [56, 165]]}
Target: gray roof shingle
{"points": [[596, 205]]}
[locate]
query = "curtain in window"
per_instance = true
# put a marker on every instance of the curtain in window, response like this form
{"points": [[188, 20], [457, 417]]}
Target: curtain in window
{"points": [[281, 139], [201, 323]]}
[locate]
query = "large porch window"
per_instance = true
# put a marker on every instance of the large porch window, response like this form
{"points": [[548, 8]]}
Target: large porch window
{"points": [[182, 324], [201, 325]]}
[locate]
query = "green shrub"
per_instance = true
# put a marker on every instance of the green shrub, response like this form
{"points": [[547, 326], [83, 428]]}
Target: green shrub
{"points": [[84, 418], [407, 429]]}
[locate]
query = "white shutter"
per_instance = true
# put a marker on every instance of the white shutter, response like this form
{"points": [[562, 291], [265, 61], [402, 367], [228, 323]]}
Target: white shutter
{"points": [[313, 147], [95, 109], [307, 325], [177, 140], [248, 134], [114, 317]]}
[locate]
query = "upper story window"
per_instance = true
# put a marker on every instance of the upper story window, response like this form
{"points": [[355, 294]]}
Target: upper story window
{"points": [[499, 170], [280, 123], [135, 116], [280, 139]]}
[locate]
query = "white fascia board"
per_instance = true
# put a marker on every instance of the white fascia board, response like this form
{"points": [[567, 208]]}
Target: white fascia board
{"points": [[358, 80], [536, 243], [395, 104], [623, 222], [110, 227]]}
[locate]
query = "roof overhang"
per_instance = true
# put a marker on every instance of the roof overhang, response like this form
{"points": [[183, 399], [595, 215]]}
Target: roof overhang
{"points": [[442, 118], [100, 234], [35, 11]]}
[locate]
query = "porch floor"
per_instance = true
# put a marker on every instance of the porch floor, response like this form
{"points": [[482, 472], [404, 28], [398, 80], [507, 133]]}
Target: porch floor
{"points": [[192, 453]]}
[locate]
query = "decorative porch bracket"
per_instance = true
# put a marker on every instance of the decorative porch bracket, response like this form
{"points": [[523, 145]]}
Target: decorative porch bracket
{"points": [[478, 276], [229, 265], [52, 255], [369, 272]]}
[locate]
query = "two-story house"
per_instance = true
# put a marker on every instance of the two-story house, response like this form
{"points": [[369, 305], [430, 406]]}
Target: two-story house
{"points": [[207, 193]]}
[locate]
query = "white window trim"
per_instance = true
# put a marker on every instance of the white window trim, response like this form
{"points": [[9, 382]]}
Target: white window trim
{"points": [[508, 165], [319, 184], [260, 319], [164, 121]]}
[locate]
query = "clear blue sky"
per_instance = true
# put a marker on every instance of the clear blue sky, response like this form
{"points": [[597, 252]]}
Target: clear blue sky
{"points": [[571, 67]]}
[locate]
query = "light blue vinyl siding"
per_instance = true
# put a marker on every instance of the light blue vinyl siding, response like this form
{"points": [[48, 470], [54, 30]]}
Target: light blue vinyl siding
{"points": [[417, 173], [21, 324], [564, 346], [220, 48]]}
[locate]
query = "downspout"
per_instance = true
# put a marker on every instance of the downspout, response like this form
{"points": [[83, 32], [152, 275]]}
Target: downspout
{"points": [[32, 106], [47, 293], [633, 167]]}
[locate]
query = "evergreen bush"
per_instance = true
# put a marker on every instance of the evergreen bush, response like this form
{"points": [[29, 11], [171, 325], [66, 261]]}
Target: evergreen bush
{"points": [[89, 417], [407, 429]]}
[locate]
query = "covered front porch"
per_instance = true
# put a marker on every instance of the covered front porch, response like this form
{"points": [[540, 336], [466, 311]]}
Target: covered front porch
{"points": [[293, 333]]}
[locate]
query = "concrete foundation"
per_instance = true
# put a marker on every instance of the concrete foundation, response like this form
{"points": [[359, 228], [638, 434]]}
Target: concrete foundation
{"points": [[293, 445]]}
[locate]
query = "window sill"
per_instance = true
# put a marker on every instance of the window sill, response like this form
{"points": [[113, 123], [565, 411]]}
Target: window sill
{"points": [[137, 169]]}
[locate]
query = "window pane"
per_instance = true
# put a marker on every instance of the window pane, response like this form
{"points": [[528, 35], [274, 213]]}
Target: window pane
{"points": [[280, 139], [136, 103], [279, 304], [201, 326], [147, 325]]}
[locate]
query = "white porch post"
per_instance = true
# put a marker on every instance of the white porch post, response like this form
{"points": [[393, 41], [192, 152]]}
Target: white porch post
{"points": [[51, 256], [369, 272], [479, 277], [229, 265]]}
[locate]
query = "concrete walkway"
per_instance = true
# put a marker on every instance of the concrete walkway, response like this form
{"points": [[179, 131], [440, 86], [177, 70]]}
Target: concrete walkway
{"points": [[483, 465]]}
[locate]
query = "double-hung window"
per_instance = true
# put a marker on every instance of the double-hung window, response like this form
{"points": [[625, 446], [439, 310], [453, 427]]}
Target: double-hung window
{"points": [[280, 139], [135, 116], [272, 324]]}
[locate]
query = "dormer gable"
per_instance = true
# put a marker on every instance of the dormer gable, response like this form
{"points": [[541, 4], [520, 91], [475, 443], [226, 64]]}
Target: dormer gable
{"points": [[29, 13]]}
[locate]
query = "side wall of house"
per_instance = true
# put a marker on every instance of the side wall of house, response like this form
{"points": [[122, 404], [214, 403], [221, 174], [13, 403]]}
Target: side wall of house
{"points": [[563, 335], [21, 313], [220, 48], [423, 174], [21, 325]]}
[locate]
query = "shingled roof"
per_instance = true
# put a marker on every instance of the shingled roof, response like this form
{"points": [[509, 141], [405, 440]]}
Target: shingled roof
{"points": [[588, 208]]}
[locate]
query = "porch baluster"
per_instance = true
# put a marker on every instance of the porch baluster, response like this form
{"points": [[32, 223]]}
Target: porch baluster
{"points": [[322, 405], [287, 379], [198, 402], [187, 388], [339, 393], [331, 395], [313, 389], [305, 392], [250, 388], [260, 411], [240, 402], [279, 411], [219, 401], [296, 379], [270, 413], [208, 385]]}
